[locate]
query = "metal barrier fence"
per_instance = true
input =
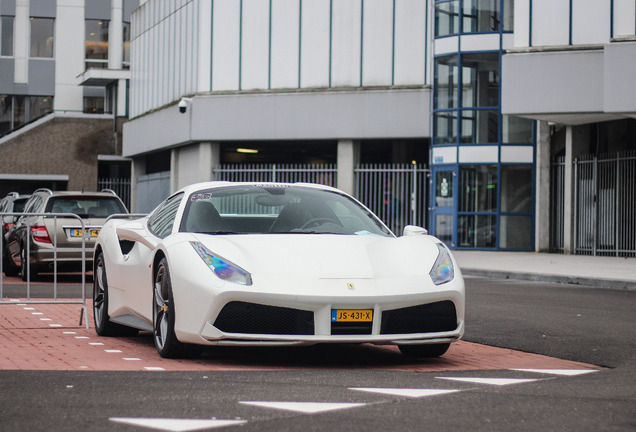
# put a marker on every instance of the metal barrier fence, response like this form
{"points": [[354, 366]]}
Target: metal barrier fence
{"points": [[397, 193], [604, 204], [29, 222], [121, 186], [289, 173]]}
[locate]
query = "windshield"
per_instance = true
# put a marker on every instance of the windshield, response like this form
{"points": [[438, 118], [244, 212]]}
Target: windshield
{"points": [[277, 209], [86, 207]]}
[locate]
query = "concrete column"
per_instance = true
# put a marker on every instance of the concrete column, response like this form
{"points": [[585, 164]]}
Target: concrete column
{"points": [[116, 35], [542, 204], [193, 164], [69, 55], [348, 158], [21, 38], [568, 213]]}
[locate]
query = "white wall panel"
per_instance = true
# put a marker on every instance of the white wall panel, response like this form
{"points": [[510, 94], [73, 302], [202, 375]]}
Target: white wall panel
{"points": [[285, 41], [624, 18], [377, 43], [550, 22], [69, 56], [203, 15], [345, 48], [591, 21], [255, 45], [410, 40], [522, 23], [225, 45], [314, 52]]}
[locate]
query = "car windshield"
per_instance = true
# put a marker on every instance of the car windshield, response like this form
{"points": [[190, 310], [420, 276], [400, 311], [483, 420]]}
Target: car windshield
{"points": [[86, 207], [277, 208]]}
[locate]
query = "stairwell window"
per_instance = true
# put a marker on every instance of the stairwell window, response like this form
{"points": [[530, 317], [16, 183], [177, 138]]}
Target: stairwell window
{"points": [[42, 37]]}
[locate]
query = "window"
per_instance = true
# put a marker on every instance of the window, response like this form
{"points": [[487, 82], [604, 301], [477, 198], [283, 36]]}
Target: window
{"points": [[6, 35], [94, 105], [126, 53], [6, 111], [96, 43], [447, 18], [479, 126], [480, 80], [446, 75], [42, 37], [445, 127], [162, 220], [516, 130], [40, 105], [480, 16]]}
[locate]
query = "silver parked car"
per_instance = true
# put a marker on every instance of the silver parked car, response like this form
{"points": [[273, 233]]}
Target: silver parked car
{"points": [[59, 239]]}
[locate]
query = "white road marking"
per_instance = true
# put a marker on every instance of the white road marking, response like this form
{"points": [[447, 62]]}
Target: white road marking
{"points": [[96, 343], [490, 381], [37, 313], [176, 425], [131, 358], [413, 393], [564, 372], [69, 332], [304, 407], [154, 368], [55, 325], [113, 351]]}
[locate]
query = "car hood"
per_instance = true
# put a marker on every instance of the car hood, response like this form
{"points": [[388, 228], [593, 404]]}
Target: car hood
{"points": [[326, 256]]}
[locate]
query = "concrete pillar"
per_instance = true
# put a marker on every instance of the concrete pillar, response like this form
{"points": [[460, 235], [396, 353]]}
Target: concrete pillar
{"points": [[116, 35], [348, 158], [193, 164], [568, 211], [542, 204], [21, 31]]}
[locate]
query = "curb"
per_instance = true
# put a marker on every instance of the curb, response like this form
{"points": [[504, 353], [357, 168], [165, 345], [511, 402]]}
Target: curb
{"points": [[570, 280]]}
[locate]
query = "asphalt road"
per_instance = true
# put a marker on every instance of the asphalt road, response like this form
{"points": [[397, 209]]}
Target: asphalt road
{"points": [[577, 323]]}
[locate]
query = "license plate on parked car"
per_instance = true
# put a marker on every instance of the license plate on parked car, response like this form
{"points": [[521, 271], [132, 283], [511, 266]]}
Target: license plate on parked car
{"points": [[351, 315], [77, 232]]}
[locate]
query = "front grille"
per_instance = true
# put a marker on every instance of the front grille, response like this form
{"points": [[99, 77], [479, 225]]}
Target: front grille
{"points": [[242, 317], [426, 318], [351, 328]]}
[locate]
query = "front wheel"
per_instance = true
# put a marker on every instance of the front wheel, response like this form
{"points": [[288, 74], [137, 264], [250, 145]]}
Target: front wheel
{"points": [[163, 318], [103, 324], [424, 351]]}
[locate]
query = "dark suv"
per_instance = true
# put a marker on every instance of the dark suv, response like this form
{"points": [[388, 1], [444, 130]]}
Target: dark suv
{"points": [[12, 203], [58, 239]]}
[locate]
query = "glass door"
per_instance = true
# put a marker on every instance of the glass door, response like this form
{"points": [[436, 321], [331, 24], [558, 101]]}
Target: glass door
{"points": [[444, 204]]}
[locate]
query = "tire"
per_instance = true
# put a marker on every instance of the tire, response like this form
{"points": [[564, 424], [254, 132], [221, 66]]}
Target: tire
{"points": [[424, 351], [23, 266], [10, 270], [163, 318], [103, 324]]}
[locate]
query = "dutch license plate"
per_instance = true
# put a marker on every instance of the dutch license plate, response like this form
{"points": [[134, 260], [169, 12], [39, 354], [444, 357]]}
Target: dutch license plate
{"points": [[77, 232], [351, 315]]}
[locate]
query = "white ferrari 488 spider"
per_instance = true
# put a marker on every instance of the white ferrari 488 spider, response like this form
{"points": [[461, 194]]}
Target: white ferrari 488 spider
{"points": [[274, 264]]}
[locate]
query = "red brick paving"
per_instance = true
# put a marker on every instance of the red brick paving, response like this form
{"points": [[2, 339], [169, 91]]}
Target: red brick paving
{"points": [[49, 337]]}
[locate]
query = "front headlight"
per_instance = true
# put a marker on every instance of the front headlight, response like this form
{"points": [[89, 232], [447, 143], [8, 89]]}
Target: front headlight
{"points": [[222, 268], [442, 270]]}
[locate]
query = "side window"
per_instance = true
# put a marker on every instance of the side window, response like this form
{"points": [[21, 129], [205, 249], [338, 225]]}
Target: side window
{"points": [[162, 220]]}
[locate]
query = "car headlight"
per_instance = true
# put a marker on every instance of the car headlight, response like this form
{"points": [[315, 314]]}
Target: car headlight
{"points": [[442, 270], [222, 268]]}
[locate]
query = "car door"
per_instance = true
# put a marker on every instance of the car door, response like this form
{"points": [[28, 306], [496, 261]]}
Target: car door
{"points": [[138, 268]]}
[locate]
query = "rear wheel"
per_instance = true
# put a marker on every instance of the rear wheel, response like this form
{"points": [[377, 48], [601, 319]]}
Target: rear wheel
{"points": [[103, 325], [423, 351], [163, 318]]}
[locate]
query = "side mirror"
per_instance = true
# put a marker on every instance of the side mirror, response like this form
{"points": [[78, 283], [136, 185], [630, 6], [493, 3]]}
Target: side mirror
{"points": [[134, 231], [411, 230]]}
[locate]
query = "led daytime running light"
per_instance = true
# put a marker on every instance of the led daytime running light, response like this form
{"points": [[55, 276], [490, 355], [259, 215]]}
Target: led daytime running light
{"points": [[442, 270], [221, 267]]}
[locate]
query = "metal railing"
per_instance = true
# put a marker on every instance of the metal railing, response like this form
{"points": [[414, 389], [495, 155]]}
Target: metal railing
{"points": [[396, 193], [604, 205], [288, 173], [29, 222], [121, 186]]}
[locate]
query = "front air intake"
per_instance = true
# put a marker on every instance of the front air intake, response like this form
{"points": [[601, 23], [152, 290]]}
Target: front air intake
{"points": [[426, 318], [252, 318]]}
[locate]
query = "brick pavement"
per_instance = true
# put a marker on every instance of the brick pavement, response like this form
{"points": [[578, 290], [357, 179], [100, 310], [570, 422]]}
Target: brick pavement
{"points": [[49, 337]]}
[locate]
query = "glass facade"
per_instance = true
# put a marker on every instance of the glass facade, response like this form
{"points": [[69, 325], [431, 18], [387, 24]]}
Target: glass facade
{"points": [[16, 110], [6, 35], [42, 37], [493, 202]]}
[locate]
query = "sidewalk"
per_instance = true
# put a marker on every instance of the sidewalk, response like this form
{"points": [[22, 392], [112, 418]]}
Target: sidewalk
{"points": [[602, 272]]}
